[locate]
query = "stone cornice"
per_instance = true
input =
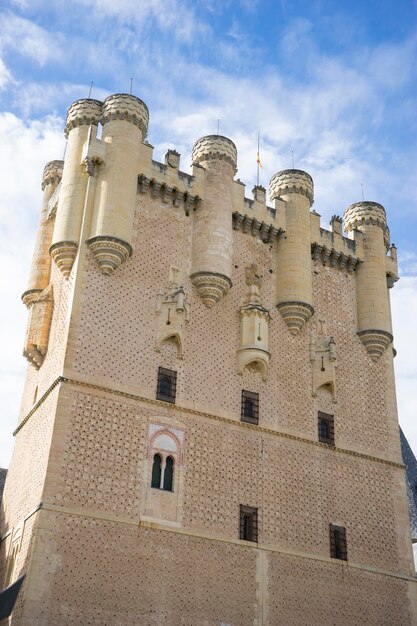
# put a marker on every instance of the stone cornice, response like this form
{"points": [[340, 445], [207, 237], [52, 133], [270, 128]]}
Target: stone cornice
{"points": [[168, 195], [176, 407], [334, 258], [253, 226]]}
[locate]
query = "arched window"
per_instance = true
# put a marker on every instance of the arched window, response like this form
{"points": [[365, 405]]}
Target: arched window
{"points": [[169, 474], [156, 472]]}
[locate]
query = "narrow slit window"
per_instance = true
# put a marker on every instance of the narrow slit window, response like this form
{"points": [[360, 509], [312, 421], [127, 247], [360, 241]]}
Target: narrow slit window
{"points": [[156, 472], [250, 407], [338, 546], [167, 385], [169, 474], [248, 528], [326, 428]]}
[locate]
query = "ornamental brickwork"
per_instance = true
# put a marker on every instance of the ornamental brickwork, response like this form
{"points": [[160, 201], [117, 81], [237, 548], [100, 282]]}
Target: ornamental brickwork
{"points": [[123, 508]]}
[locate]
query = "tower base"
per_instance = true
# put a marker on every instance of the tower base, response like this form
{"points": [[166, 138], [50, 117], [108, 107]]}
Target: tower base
{"points": [[211, 287], [109, 252], [295, 315], [375, 342]]}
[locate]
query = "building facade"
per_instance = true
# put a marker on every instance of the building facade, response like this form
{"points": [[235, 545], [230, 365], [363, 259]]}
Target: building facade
{"points": [[208, 432]]}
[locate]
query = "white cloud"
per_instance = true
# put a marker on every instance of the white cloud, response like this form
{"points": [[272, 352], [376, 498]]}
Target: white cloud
{"points": [[176, 16], [5, 75], [404, 312], [329, 117], [24, 150], [408, 263], [26, 38]]}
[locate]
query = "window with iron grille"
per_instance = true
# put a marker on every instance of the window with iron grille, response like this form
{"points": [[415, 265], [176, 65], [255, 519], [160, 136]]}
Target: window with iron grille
{"points": [[167, 385], [248, 526], [326, 428], [250, 407], [338, 547]]}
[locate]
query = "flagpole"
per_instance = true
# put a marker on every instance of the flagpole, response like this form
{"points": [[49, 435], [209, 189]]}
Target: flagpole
{"points": [[257, 165]]}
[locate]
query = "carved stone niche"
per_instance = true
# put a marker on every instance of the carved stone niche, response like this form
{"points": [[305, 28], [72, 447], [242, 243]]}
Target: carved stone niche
{"points": [[172, 310], [323, 360], [253, 355], [40, 305]]}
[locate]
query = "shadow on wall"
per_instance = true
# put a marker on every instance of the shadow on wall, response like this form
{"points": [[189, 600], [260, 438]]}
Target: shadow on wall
{"points": [[410, 463]]}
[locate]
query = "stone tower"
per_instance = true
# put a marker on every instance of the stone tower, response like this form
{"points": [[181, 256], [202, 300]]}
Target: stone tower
{"points": [[208, 432]]}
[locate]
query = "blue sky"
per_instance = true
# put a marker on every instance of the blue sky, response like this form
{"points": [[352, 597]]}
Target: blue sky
{"points": [[333, 81]]}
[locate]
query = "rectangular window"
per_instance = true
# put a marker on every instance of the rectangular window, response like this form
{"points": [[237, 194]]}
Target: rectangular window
{"points": [[167, 385], [249, 411], [326, 428], [248, 523], [338, 548]]}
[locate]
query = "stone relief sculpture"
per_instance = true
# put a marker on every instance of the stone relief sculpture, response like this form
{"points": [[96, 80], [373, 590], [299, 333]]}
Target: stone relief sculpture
{"points": [[253, 354], [172, 309], [323, 360]]}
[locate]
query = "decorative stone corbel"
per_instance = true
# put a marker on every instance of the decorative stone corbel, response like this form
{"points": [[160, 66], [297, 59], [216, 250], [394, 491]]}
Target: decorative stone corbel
{"points": [[172, 310], [323, 360], [253, 353]]}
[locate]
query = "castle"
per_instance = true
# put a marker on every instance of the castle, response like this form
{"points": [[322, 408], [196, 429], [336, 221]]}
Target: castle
{"points": [[208, 433]]}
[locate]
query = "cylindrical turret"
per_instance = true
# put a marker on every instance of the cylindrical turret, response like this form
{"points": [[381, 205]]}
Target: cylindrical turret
{"points": [[212, 228], [294, 286], [125, 123], [80, 116], [374, 323], [41, 261]]}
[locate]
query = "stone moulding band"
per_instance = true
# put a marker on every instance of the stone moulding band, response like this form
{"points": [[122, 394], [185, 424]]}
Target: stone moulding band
{"points": [[161, 527], [109, 252], [219, 418]]}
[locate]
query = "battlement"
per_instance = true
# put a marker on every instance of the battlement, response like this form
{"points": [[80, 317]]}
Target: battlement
{"points": [[122, 106], [121, 168], [291, 181], [84, 112], [359, 214], [215, 147]]}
